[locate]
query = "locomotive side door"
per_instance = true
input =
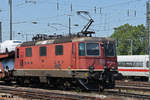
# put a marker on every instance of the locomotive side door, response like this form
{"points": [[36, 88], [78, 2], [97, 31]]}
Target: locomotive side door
{"points": [[43, 57], [74, 55], [19, 58]]}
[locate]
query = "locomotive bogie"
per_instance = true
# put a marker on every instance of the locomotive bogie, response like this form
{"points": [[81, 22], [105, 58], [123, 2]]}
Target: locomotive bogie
{"points": [[83, 79]]}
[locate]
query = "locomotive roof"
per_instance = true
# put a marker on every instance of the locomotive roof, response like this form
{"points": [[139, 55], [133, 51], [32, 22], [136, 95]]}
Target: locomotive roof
{"points": [[67, 39]]}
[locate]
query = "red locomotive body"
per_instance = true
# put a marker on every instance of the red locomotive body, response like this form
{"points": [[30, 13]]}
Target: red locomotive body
{"points": [[89, 62]]}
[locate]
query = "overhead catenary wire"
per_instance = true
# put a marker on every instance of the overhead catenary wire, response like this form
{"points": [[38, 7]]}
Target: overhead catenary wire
{"points": [[99, 11]]}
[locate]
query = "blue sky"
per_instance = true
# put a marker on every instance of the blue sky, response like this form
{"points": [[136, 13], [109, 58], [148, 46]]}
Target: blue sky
{"points": [[51, 19]]}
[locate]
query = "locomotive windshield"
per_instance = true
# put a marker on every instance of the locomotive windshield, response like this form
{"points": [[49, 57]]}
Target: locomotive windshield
{"points": [[109, 49], [89, 49], [92, 49]]}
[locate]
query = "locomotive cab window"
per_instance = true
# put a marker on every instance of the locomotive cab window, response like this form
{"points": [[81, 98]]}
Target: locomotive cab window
{"points": [[59, 50], [89, 49], [43, 51], [92, 49], [81, 49], [28, 52], [109, 49]]}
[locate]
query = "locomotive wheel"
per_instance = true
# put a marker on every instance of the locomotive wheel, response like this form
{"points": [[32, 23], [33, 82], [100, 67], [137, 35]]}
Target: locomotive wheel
{"points": [[7, 81], [67, 85], [20, 81], [100, 88], [108, 80]]}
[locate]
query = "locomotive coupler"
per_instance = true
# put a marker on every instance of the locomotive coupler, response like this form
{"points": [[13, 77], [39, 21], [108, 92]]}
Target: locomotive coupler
{"points": [[91, 73], [91, 69]]}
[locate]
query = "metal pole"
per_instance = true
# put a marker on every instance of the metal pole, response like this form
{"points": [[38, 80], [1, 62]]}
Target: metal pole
{"points": [[69, 26], [0, 32], [10, 3], [131, 46], [148, 28], [26, 37]]}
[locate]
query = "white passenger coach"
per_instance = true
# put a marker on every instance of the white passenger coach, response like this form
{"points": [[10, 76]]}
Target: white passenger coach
{"points": [[134, 66], [9, 45]]}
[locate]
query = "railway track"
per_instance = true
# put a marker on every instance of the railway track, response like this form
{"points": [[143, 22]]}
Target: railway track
{"points": [[136, 85], [128, 95], [133, 83], [42, 94], [123, 89], [134, 89]]}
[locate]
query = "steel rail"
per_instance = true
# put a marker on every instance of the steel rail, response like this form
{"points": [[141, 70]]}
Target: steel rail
{"points": [[47, 94]]}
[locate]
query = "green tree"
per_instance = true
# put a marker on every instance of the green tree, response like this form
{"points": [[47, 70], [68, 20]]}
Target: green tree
{"points": [[126, 34]]}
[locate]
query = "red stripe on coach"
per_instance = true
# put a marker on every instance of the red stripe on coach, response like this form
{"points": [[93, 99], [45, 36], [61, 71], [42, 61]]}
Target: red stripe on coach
{"points": [[134, 70]]}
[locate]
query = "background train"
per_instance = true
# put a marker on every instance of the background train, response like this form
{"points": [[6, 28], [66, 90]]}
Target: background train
{"points": [[78, 61], [134, 67], [9, 45]]}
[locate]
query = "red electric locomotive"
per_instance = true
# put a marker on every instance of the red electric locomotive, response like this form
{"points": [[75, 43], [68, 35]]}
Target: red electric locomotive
{"points": [[89, 62], [67, 61]]}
